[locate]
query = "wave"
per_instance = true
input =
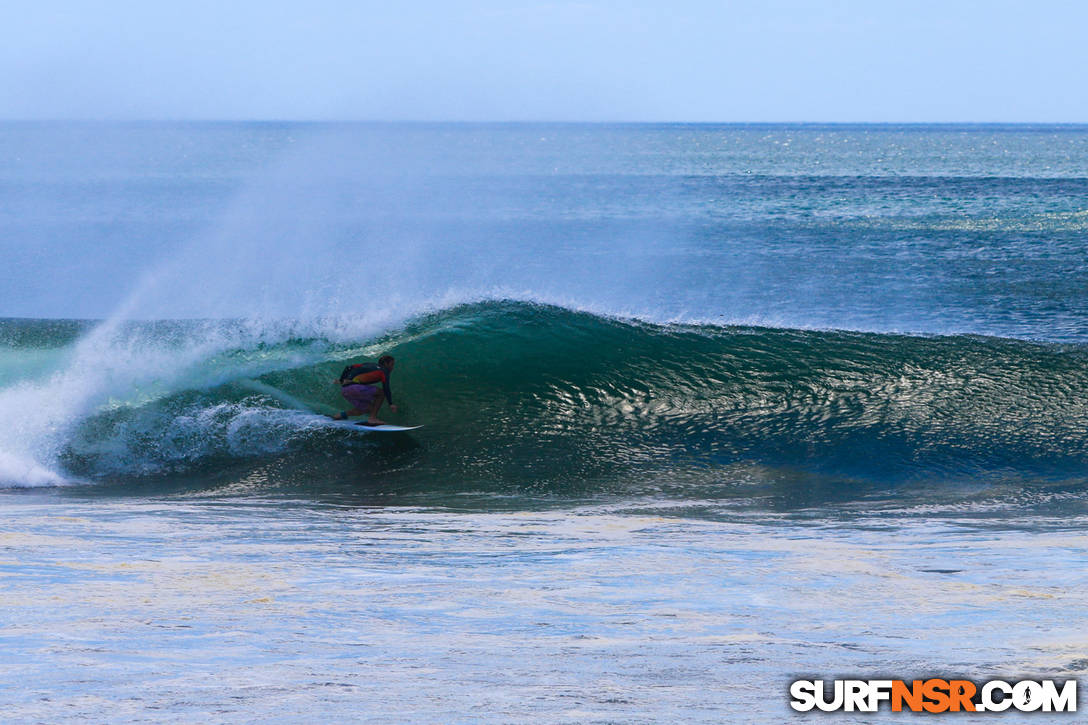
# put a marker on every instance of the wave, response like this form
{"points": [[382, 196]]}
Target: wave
{"points": [[519, 395]]}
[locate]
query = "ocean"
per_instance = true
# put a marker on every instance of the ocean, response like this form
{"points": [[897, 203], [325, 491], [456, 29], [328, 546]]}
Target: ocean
{"points": [[706, 409]]}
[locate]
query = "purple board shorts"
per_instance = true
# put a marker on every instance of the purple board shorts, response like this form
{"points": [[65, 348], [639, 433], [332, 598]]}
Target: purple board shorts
{"points": [[360, 396]]}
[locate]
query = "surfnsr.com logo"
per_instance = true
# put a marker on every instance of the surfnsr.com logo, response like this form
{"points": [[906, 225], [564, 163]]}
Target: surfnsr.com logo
{"points": [[934, 695]]}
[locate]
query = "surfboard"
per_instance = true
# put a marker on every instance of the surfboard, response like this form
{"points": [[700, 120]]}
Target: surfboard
{"points": [[316, 420], [360, 428]]}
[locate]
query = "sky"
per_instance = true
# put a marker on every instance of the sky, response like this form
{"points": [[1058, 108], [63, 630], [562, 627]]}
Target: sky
{"points": [[505, 60]]}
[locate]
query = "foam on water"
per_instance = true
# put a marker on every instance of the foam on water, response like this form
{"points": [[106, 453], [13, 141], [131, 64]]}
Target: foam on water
{"points": [[262, 610]]}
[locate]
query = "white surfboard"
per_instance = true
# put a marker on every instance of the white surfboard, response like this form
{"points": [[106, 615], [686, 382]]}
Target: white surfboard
{"points": [[316, 420], [360, 428]]}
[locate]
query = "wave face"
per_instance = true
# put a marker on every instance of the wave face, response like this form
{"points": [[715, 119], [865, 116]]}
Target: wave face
{"points": [[535, 398]]}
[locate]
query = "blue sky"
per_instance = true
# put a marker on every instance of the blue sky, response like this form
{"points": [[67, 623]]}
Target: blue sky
{"points": [[591, 60]]}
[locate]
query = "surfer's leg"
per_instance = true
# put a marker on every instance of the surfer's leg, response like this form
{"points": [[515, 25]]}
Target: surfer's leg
{"points": [[361, 398], [375, 406]]}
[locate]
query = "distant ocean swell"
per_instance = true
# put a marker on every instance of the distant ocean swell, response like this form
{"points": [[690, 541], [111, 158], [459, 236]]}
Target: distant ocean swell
{"points": [[516, 395]]}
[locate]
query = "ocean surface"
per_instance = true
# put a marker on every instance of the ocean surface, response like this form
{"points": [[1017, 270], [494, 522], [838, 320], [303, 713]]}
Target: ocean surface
{"points": [[706, 409]]}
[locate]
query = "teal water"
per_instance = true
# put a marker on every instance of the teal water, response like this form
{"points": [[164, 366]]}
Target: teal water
{"points": [[706, 408]]}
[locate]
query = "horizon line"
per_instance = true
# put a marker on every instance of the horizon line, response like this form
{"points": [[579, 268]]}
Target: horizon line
{"points": [[532, 122]]}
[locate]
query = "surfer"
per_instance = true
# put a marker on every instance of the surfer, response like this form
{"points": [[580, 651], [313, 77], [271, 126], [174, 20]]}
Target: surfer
{"points": [[359, 385]]}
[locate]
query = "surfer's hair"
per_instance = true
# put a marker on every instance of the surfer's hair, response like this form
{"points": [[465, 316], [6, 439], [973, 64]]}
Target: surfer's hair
{"points": [[384, 360]]}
